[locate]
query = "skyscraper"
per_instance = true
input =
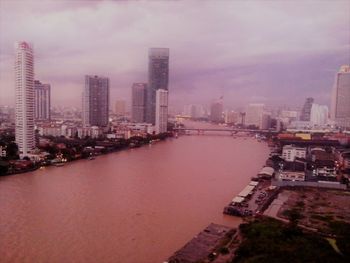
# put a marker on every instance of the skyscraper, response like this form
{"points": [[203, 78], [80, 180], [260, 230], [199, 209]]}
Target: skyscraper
{"points": [[161, 110], [95, 101], [24, 93], [340, 110], [42, 100], [138, 104], [306, 110], [158, 78]]}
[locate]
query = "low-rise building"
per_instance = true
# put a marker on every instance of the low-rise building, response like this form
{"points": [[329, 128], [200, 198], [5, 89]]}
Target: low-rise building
{"points": [[325, 172], [3, 151], [291, 176], [320, 158], [289, 153]]}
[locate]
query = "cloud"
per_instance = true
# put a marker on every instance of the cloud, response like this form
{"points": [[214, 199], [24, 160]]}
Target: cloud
{"points": [[238, 48]]}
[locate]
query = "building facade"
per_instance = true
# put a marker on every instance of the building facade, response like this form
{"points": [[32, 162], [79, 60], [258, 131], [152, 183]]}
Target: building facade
{"points": [[24, 97], [96, 101], [231, 117], [306, 110], [340, 111], [289, 153], [319, 115], [158, 78], [254, 114], [161, 111], [138, 102], [42, 100], [194, 111], [3, 151], [216, 110]]}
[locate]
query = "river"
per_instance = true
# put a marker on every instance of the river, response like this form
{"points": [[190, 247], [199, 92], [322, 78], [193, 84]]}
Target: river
{"points": [[134, 206]]}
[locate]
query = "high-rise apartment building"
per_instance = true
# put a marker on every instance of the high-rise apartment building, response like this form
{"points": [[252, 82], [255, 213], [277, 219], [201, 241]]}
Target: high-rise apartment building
{"points": [[194, 111], [231, 117], [319, 114], [24, 93], [306, 110], [340, 110], [254, 114], [216, 109], [96, 101], [120, 107], [161, 111], [158, 78], [42, 100], [138, 102]]}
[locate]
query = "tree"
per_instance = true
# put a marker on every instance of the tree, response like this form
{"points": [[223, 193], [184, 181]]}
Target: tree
{"points": [[12, 151], [3, 167]]}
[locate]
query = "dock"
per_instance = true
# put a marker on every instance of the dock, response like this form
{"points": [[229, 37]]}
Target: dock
{"points": [[251, 199]]}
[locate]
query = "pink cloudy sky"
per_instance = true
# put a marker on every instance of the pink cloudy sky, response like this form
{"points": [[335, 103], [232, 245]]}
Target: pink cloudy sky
{"points": [[275, 52]]}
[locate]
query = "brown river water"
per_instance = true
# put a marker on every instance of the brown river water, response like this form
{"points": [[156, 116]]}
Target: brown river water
{"points": [[134, 206]]}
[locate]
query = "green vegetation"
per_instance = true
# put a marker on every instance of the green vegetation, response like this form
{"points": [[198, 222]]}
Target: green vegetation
{"points": [[70, 149], [326, 218], [293, 215], [269, 240]]}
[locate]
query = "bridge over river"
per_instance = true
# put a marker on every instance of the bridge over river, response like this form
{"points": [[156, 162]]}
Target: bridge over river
{"points": [[230, 130]]}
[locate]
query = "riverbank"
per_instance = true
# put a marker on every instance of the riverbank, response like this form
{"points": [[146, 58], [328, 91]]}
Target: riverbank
{"points": [[92, 148], [264, 239]]}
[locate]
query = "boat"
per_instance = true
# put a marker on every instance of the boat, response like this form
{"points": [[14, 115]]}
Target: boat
{"points": [[58, 164], [91, 158]]}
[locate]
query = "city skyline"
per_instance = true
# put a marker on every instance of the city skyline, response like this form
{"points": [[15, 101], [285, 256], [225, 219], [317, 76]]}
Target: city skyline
{"points": [[246, 58]]}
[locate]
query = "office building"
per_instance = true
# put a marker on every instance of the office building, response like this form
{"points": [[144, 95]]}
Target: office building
{"points": [[340, 110], [306, 110], [42, 100], [120, 107], [95, 101], [161, 121], [24, 97], [138, 102], [158, 78]]}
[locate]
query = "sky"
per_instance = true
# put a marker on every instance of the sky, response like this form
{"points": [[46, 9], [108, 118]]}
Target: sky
{"points": [[272, 52]]}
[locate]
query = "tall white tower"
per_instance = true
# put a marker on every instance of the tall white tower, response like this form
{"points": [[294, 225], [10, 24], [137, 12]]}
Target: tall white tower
{"points": [[161, 111], [24, 95]]}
